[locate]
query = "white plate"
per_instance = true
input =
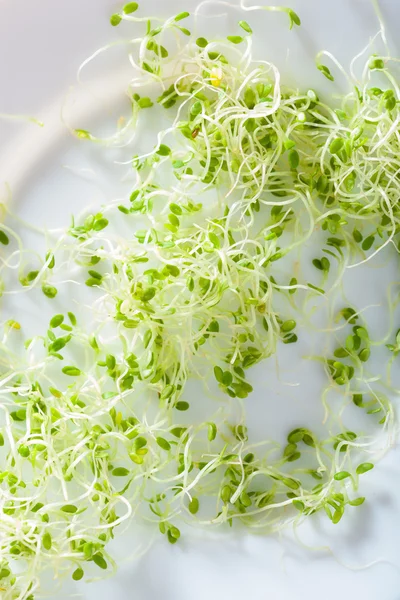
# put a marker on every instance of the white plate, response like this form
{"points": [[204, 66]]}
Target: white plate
{"points": [[41, 46]]}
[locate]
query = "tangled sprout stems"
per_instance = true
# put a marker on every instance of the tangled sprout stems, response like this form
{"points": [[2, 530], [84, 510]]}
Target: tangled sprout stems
{"points": [[96, 422]]}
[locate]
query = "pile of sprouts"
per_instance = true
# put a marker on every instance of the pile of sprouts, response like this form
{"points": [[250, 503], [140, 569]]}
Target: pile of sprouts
{"points": [[193, 278]]}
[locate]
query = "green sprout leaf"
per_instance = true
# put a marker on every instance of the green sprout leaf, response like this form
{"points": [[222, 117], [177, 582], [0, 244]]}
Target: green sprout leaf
{"points": [[181, 16], [46, 540], [245, 26], [69, 508], [120, 472], [235, 39], [115, 20], [130, 8], [56, 321], [194, 506], [294, 18], [71, 371], [163, 150], [341, 475], [364, 468], [325, 71], [77, 574], [163, 443], [201, 42], [4, 239], [49, 290], [99, 560]]}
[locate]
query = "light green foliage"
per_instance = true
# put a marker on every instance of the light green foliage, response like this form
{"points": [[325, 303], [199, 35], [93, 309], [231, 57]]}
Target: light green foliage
{"points": [[201, 289]]}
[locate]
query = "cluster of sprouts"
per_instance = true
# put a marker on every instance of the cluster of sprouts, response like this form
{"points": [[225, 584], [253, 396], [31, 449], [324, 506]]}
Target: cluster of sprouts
{"points": [[96, 424]]}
